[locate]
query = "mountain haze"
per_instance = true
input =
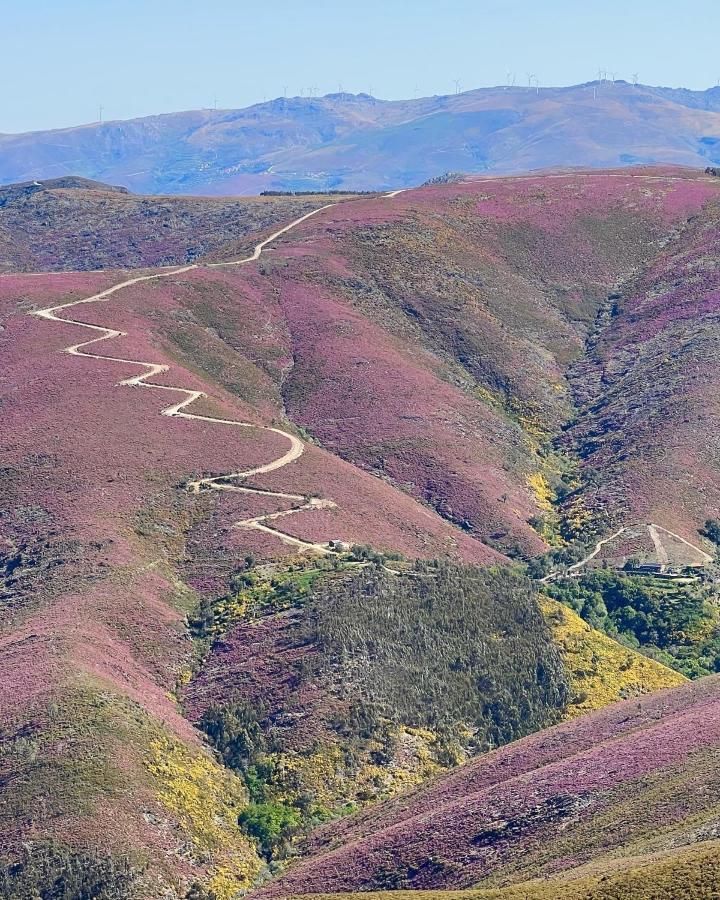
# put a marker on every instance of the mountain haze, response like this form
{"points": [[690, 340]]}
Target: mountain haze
{"points": [[358, 142]]}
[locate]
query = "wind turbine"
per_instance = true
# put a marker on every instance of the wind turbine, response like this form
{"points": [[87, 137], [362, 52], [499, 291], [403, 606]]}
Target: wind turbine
{"points": [[537, 84], [457, 85], [635, 79], [100, 113]]}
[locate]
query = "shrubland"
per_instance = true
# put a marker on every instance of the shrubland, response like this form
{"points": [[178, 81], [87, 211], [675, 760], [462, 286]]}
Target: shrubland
{"points": [[674, 621], [390, 675]]}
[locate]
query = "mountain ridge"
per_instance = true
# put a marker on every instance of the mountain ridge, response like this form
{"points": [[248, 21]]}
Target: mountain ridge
{"points": [[356, 141]]}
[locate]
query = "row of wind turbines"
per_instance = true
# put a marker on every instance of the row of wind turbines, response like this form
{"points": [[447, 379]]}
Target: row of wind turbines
{"points": [[604, 77], [533, 82]]}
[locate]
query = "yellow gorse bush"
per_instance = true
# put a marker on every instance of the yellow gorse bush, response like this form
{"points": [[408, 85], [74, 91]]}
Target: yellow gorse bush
{"points": [[601, 670], [206, 801]]}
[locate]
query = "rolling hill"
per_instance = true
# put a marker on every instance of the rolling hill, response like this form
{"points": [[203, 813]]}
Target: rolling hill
{"points": [[203, 462], [76, 224], [359, 142]]}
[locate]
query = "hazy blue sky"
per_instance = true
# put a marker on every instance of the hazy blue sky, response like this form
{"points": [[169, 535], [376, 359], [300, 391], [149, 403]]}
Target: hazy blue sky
{"points": [[60, 59]]}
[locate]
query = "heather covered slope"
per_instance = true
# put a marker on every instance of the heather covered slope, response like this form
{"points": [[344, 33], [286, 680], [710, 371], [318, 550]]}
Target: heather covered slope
{"points": [[95, 520], [237, 360], [415, 347], [360, 142], [626, 790], [432, 336], [647, 390], [75, 224], [692, 874]]}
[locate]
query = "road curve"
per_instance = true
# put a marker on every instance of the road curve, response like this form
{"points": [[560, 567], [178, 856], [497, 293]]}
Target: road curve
{"points": [[188, 397], [653, 531]]}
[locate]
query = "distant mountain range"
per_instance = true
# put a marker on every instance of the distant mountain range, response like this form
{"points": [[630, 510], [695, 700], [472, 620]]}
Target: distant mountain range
{"points": [[357, 142]]}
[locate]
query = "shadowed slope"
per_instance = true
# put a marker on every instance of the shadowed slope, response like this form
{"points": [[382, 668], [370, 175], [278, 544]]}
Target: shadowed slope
{"points": [[649, 413]]}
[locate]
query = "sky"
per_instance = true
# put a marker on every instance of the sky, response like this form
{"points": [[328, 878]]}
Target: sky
{"points": [[63, 59]]}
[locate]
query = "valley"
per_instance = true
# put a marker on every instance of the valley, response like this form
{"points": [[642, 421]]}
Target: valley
{"points": [[351, 599]]}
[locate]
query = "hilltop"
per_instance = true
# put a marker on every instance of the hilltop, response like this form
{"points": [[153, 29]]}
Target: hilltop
{"points": [[356, 142], [10, 192], [76, 224]]}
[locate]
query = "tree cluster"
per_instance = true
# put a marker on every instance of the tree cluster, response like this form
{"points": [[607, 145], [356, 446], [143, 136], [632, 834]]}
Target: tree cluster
{"points": [[51, 871], [460, 646], [671, 622]]}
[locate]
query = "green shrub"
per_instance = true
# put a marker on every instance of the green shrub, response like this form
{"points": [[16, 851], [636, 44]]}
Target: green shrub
{"points": [[272, 825], [201, 620], [712, 531]]}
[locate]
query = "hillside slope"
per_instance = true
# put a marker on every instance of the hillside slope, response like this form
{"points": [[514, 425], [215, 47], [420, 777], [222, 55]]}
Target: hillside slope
{"points": [[330, 686], [360, 142], [390, 371], [475, 298], [98, 532], [75, 224], [648, 413], [630, 788]]}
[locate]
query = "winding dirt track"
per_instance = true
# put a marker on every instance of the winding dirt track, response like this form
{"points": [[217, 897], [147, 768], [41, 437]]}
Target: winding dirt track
{"points": [[297, 447], [179, 409]]}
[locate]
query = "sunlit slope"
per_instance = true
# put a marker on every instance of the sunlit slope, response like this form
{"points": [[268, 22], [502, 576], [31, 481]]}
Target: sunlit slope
{"points": [[613, 789]]}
